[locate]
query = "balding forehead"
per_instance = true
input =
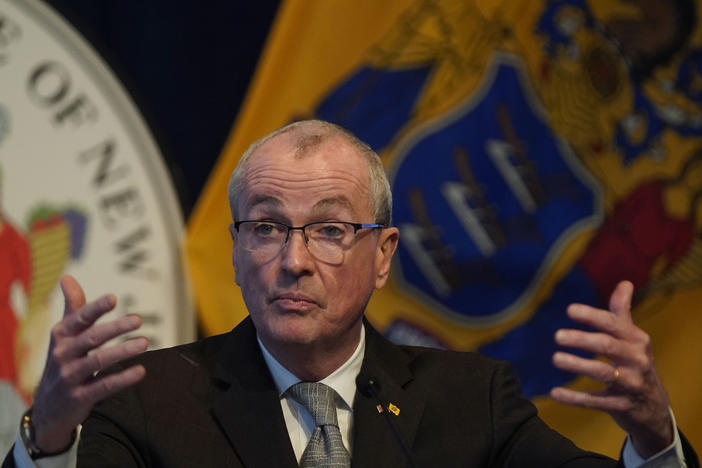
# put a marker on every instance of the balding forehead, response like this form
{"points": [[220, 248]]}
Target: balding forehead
{"points": [[271, 202], [302, 142], [301, 139], [306, 143]]}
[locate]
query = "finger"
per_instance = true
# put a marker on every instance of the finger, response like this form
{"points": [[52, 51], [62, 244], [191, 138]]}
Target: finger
{"points": [[598, 319], [86, 316], [96, 336], [598, 370], [73, 295], [617, 378], [616, 350], [620, 300], [100, 359], [110, 384], [595, 400]]}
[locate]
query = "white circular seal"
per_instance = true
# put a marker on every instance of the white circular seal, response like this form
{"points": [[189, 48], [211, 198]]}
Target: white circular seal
{"points": [[83, 190]]}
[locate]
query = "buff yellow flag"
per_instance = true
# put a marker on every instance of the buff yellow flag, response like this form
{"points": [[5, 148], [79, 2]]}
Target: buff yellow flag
{"points": [[538, 152]]}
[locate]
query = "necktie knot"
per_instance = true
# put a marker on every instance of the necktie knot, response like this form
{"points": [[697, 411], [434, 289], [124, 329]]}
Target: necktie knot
{"points": [[318, 399]]}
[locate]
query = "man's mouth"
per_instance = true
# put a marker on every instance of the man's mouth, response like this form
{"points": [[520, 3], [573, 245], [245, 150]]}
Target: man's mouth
{"points": [[294, 301]]}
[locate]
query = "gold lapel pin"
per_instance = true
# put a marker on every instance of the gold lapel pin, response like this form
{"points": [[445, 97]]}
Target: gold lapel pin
{"points": [[393, 409]]}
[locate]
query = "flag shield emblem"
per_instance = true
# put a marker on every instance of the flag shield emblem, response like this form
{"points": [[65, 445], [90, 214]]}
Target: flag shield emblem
{"points": [[486, 196]]}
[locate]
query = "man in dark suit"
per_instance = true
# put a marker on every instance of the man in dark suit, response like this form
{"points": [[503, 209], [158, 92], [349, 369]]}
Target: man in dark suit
{"points": [[231, 400]]}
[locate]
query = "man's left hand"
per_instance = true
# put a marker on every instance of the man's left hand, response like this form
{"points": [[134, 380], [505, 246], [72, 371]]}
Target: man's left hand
{"points": [[634, 395]]}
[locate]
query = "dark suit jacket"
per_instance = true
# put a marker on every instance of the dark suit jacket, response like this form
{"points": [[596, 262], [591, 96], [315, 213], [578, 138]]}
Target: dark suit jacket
{"points": [[213, 403]]}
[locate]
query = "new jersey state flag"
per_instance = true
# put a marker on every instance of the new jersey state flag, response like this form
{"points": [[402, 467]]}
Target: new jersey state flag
{"points": [[538, 151]]}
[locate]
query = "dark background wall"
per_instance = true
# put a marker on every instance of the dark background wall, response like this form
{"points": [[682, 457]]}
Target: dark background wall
{"points": [[187, 65]]}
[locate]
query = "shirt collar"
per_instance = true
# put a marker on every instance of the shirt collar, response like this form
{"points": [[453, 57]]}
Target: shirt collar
{"points": [[342, 380]]}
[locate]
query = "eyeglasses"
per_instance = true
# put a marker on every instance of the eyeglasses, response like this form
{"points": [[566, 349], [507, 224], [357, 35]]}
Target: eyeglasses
{"points": [[326, 241]]}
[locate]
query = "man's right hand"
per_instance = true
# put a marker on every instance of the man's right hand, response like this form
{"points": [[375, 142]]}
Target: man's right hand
{"points": [[68, 388]]}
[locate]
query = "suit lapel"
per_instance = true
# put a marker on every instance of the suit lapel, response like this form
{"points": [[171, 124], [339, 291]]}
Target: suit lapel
{"points": [[246, 405], [374, 443]]}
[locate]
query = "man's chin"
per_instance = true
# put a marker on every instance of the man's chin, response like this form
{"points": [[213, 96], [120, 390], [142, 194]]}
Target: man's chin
{"points": [[293, 330]]}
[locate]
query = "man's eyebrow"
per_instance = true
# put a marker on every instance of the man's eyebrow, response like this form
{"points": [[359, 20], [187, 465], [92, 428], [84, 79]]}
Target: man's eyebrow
{"points": [[262, 199], [326, 203]]}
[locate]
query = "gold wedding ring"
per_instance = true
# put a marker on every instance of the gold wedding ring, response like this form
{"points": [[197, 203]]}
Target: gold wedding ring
{"points": [[616, 374]]}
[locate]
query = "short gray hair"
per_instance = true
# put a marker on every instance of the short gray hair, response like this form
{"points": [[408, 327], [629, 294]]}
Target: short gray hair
{"points": [[316, 131]]}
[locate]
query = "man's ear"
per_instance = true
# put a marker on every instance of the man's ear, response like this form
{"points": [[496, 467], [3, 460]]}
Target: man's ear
{"points": [[387, 243]]}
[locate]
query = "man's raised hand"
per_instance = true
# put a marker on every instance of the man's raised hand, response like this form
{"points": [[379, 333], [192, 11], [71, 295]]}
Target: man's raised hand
{"points": [[68, 388], [634, 395]]}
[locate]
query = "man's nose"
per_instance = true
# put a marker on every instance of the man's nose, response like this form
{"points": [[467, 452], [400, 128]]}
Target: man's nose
{"points": [[296, 258]]}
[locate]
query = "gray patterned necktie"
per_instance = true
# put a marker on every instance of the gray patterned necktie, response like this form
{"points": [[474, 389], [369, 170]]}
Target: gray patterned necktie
{"points": [[325, 448]]}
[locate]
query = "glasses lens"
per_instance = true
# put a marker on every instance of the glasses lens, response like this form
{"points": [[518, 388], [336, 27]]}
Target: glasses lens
{"points": [[263, 238], [327, 241]]}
